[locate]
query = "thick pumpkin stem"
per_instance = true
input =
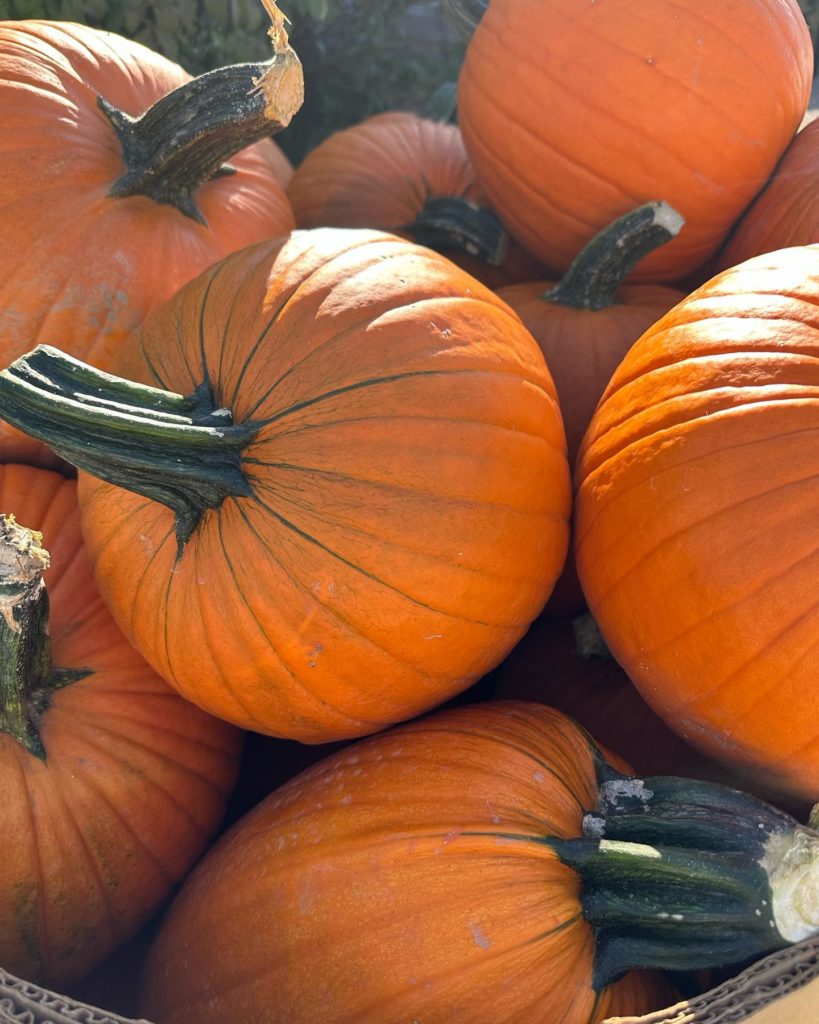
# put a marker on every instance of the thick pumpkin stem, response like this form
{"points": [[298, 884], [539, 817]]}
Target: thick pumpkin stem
{"points": [[184, 139], [180, 450], [27, 675], [452, 222], [465, 14], [598, 272], [681, 874]]}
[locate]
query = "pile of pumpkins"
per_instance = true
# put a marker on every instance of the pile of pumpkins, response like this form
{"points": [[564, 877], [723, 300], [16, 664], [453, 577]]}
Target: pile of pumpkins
{"points": [[354, 437]]}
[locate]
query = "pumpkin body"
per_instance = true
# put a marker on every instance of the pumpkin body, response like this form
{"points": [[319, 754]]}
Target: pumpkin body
{"points": [[80, 268], [134, 783], [402, 879], [574, 112], [408, 488], [583, 347], [695, 525], [786, 212], [381, 174]]}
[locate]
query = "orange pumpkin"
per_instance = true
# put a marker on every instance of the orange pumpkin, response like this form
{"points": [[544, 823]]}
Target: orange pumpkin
{"points": [[786, 212], [112, 784], [360, 504], [486, 864], [574, 113], [695, 525], [113, 184], [408, 174]]}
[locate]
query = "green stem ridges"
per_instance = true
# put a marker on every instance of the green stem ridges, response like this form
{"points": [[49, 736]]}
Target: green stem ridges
{"points": [[452, 222], [179, 450], [27, 675], [465, 15], [184, 139], [681, 874], [599, 270]]}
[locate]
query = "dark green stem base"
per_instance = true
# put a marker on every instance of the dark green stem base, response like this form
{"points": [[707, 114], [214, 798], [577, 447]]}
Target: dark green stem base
{"points": [[179, 450], [452, 222], [598, 272]]}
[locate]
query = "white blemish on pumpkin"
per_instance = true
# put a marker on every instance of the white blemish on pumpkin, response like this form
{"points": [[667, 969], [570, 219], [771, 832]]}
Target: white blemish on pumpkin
{"points": [[346, 800], [434, 636], [617, 792], [479, 936], [538, 776]]}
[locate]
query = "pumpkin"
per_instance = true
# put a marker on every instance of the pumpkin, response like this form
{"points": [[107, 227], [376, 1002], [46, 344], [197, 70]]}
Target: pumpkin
{"points": [[575, 113], [785, 213], [485, 864], [344, 496], [400, 172], [115, 191], [695, 526], [112, 784], [585, 324]]}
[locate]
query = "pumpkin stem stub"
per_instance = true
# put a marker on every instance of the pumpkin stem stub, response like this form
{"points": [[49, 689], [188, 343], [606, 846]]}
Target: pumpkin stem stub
{"points": [[27, 675], [184, 139], [180, 450], [452, 222], [599, 270], [679, 874]]}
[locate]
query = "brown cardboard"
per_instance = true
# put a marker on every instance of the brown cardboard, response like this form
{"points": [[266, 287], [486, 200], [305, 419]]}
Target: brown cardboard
{"points": [[783, 988]]}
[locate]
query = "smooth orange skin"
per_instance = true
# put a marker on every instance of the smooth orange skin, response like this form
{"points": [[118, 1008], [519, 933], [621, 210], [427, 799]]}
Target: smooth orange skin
{"points": [[411, 489], [135, 780], [380, 173], [401, 879], [79, 269], [575, 111], [695, 518], [786, 212]]}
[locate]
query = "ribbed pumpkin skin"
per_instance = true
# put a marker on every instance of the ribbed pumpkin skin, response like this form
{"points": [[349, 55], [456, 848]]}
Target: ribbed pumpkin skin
{"points": [[379, 173], [402, 879], [786, 212], [695, 518], [134, 784], [410, 488], [80, 269], [574, 111]]}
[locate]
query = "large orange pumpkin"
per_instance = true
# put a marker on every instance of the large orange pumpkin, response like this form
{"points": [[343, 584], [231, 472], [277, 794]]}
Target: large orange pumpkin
{"points": [[786, 212], [482, 866], [574, 112], [408, 174], [112, 784], [695, 518], [358, 508], [113, 200]]}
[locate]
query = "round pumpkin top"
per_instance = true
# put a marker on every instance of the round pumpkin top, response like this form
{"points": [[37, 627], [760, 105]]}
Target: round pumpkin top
{"points": [[574, 112], [79, 267], [696, 532], [129, 783]]}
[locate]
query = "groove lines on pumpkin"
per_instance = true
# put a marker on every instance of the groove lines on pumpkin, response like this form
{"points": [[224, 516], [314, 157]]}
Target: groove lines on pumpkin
{"points": [[42, 939], [687, 526], [308, 696]]}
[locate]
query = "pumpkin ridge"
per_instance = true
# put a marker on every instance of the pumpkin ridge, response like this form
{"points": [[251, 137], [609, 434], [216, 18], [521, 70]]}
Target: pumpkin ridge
{"points": [[38, 944], [605, 594]]}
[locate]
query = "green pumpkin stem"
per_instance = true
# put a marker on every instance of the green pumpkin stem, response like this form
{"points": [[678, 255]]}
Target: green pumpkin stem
{"points": [[452, 222], [184, 139], [182, 451], [680, 874], [27, 675], [599, 270]]}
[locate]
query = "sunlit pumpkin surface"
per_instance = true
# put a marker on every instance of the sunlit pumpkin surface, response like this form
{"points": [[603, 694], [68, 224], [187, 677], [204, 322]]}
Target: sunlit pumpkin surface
{"points": [[696, 526], [402, 879], [134, 783], [410, 488]]}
